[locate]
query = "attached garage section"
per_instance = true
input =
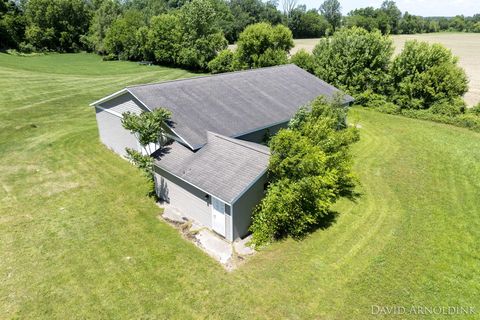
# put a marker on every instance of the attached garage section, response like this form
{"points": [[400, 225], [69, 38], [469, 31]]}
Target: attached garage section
{"points": [[193, 203], [109, 120]]}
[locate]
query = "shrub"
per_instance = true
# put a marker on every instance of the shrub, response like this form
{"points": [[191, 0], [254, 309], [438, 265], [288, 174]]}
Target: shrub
{"points": [[304, 60], [424, 74], [309, 169], [223, 62], [354, 59], [448, 108], [262, 44], [475, 110]]}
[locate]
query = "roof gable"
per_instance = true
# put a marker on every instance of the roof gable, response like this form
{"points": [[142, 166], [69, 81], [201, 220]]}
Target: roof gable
{"points": [[224, 167]]}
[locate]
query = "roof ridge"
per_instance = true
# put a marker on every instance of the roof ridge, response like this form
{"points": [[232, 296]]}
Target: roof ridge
{"points": [[218, 75], [245, 144]]}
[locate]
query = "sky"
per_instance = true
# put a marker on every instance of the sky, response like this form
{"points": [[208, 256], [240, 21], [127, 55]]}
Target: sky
{"points": [[426, 8]]}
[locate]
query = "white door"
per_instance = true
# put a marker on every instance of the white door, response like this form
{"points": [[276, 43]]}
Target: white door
{"points": [[218, 216]]}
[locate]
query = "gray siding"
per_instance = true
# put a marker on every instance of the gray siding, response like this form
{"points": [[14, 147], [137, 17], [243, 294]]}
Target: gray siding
{"points": [[243, 208], [112, 134], [259, 136], [123, 103], [190, 201]]}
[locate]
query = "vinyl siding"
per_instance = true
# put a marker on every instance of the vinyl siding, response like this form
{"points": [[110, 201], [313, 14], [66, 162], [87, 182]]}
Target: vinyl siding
{"points": [[243, 208], [112, 134], [188, 200], [260, 135], [123, 103]]}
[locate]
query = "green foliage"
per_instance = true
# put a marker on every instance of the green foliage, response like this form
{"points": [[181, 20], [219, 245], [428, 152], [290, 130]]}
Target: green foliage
{"points": [[449, 108], [103, 18], [304, 60], [424, 74], [165, 37], [376, 101], [148, 126], [223, 62], [354, 59], [56, 24], [330, 9], [201, 35], [143, 162], [475, 109], [309, 169], [121, 38], [307, 24], [262, 45], [247, 12], [12, 25]]}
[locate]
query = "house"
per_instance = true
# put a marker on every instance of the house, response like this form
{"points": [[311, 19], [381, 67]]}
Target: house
{"points": [[212, 166]]}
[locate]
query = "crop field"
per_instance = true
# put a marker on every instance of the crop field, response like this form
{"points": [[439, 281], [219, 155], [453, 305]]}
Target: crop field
{"points": [[80, 238], [464, 45]]}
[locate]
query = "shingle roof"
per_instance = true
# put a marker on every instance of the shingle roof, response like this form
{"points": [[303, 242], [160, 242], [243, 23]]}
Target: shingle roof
{"points": [[224, 167], [233, 103]]}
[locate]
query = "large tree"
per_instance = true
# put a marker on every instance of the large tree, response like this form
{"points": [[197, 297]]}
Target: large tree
{"points": [[354, 59], [57, 24], [330, 9], [202, 37], [393, 13]]}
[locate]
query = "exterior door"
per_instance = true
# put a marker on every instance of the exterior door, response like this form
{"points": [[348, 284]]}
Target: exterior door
{"points": [[218, 216]]}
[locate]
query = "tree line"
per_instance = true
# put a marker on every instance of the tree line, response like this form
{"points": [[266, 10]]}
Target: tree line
{"points": [[187, 33]]}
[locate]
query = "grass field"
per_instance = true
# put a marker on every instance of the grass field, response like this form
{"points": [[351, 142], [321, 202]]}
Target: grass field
{"points": [[464, 45], [80, 239]]}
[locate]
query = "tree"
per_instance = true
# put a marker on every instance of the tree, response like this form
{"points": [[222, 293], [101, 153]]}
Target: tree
{"points": [[354, 59], [424, 74], [307, 24], [309, 169], [165, 37], [12, 25], [202, 37], [56, 24], [103, 18], [330, 9], [393, 13], [247, 12], [262, 45], [121, 38], [288, 6], [147, 127]]}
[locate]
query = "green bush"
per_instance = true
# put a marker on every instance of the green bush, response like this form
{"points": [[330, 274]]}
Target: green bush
{"points": [[262, 45], [354, 59], [309, 169], [223, 62], [304, 60], [475, 110], [425, 74], [448, 108]]}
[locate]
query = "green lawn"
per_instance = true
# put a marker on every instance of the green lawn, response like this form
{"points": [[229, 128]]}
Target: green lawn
{"points": [[79, 238]]}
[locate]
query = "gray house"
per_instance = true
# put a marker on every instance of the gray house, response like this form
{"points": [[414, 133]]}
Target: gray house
{"points": [[212, 166]]}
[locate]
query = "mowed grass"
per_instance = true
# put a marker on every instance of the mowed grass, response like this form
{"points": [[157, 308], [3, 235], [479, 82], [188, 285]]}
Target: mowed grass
{"points": [[79, 238], [464, 45]]}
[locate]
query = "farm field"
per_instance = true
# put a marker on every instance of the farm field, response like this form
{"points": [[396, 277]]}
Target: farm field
{"points": [[464, 45], [79, 237]]}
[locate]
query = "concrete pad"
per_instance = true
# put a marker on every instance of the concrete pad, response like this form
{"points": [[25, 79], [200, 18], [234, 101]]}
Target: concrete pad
{"points": [[173, 215], [242, 248], [216, 247]]}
